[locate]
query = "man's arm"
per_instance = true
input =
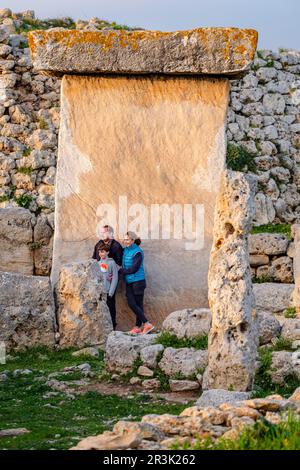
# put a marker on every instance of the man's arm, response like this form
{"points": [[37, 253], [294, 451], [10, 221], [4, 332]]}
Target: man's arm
{"points": [[95, 252], [136, 263], [118, 253]]}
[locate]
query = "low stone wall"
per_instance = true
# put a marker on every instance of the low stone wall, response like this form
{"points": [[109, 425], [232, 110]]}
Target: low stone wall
{"points": [[271, 257]]}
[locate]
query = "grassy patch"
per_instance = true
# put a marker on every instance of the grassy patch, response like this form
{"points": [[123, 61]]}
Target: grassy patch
{"points": [[171, 341], [262, 279], [24, 200], [262, 436], [4, 198], [27, 151], [25, 170], [263, 384], [239, 159], [59, 422], [290, 312], [285, 229]]}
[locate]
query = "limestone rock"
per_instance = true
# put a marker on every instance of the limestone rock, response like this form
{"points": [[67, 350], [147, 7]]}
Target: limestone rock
{"points": [[150, 355], [145, 371], [188, 323], [183, 361], [264, 209], [151, 384], [16, 236], [123, 349], [268, 244], [216, 397], [183, 385], [291, 329], [195, 51], [27, 317], [268, 327], [90, 352], [83, 315], [282, 269], [43, 245], [233, 335], [273, 297], [282, 366], [110, 441]]}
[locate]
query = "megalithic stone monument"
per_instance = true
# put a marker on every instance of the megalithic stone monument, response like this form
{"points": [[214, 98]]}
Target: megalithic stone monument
{"points": [[142, 137]]}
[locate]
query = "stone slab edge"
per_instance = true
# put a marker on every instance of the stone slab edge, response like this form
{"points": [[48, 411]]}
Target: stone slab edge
{"points": [[204, 51]]}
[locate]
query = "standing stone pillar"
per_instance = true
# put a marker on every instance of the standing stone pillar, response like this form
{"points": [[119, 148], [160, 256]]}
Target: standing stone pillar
{"points": [[233, 335], [142, 131]]}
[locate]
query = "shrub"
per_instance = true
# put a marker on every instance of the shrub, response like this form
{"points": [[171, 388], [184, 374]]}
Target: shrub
{"points": [[290, 312]]}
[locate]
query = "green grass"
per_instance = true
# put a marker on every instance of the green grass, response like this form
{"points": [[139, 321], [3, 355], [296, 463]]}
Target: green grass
{"points": [[4, 198], [262, 279], [27, 151], [171, 341], [66, 421], [33, 24], [290, 312], [284, 229], [24, 200], [24, 170], [263, 384], [239, 159], [262, 436]]}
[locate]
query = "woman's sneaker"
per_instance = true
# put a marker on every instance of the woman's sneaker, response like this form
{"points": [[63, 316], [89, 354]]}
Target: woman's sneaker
{"points": [[135, 331], [147, 328]]}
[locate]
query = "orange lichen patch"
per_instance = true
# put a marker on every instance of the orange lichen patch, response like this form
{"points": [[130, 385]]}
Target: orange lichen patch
{"points": [[207, 38]]}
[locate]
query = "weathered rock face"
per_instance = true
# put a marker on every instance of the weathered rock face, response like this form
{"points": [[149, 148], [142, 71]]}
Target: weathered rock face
{"points": [[188, 323], [268, 243], [184, 361], [27, 317], [139, 110], [221, 51], [219, 396], [268, 327], [284, 365], [273, 297], [233, 335], [122, 350], [16, 238], [83, 315]]}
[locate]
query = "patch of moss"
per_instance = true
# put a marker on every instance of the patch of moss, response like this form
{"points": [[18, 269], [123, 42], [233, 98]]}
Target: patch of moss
{"points": [[24, 200], [285, 229], [290, 312], [239, 159]]}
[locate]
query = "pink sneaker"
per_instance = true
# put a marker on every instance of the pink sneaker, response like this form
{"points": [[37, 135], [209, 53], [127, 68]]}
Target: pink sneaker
{"points": [[135, 331], [147, 328]]}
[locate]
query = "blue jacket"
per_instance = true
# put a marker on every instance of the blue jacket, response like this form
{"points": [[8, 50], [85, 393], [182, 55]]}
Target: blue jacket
{"points": [[129, 254]]}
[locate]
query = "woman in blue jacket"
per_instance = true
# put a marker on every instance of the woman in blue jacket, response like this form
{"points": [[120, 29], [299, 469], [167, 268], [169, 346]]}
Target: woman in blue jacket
{"points": [[134, 275]]}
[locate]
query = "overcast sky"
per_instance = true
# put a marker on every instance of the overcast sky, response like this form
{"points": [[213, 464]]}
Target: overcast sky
{"points": [[277, 21]]}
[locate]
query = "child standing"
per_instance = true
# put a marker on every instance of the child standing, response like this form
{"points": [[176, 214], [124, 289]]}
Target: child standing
{"points": [[109, 271]]}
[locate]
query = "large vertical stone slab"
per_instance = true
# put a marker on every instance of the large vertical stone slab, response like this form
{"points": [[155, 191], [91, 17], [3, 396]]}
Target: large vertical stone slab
{"points": [[296, 264], [16, 237], [152, 140], [233, 336]]}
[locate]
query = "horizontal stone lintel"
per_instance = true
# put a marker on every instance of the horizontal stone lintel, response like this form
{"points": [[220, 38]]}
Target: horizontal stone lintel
{"points": [[226, 52]]}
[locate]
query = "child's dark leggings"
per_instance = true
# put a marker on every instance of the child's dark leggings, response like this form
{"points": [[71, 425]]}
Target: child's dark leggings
{"points": [[111, 303], [135, 299]]}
